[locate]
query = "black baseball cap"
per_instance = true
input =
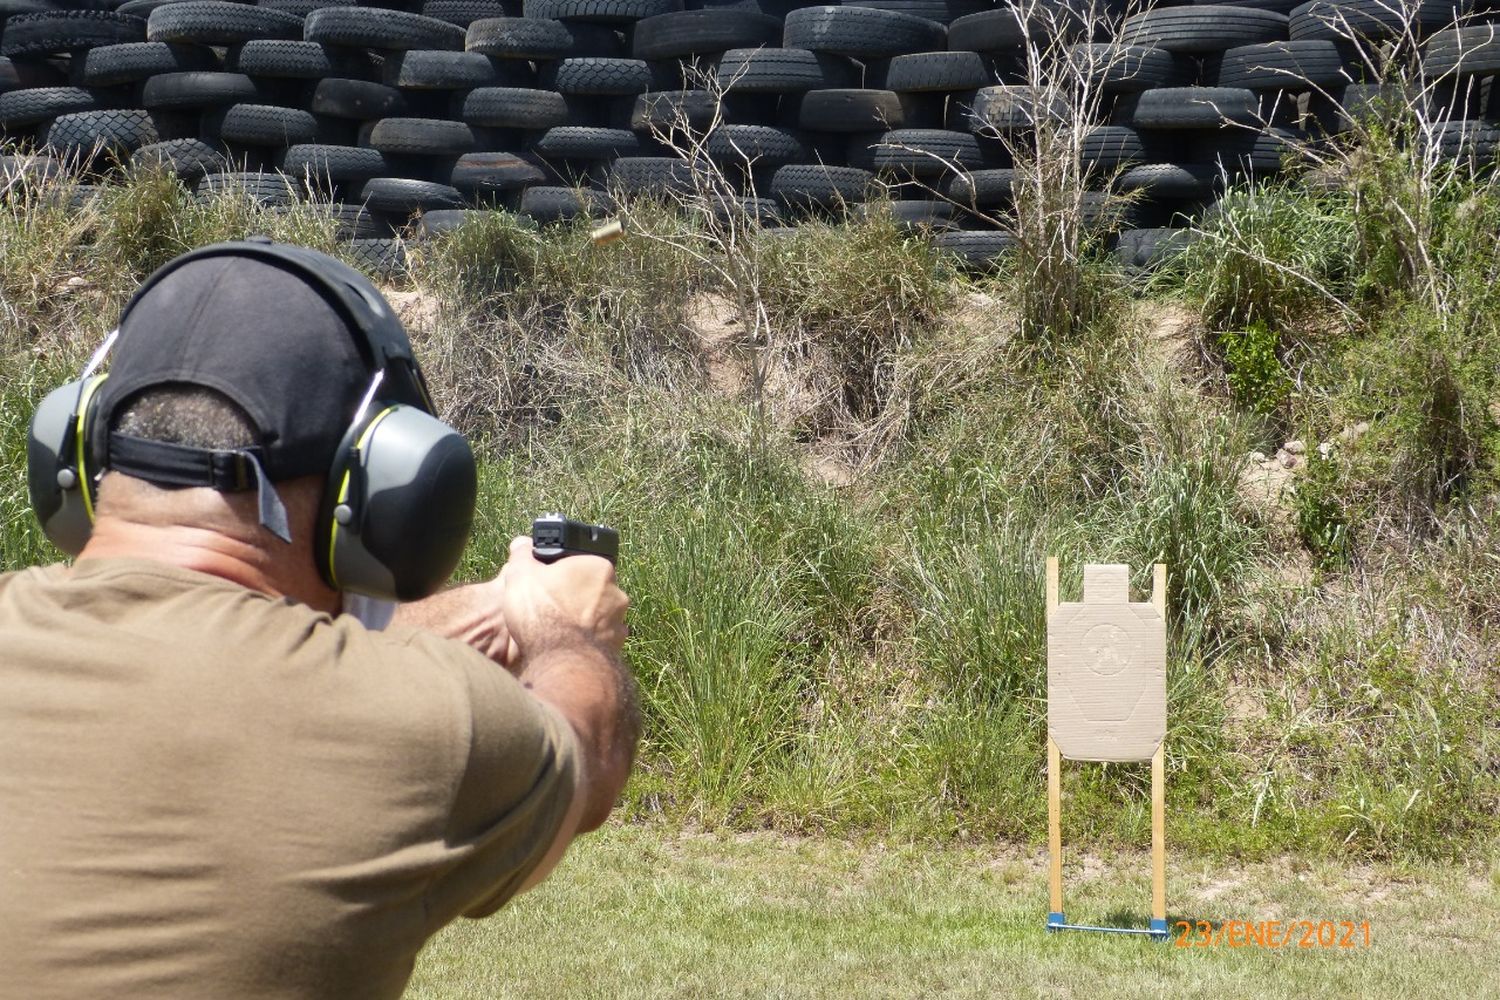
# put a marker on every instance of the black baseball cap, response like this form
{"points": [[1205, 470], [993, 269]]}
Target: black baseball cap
{"points": [[272, 328]]}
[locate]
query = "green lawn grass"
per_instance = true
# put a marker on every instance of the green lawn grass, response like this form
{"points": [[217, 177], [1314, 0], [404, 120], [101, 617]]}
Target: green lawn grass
{"points": [[638, 911]]}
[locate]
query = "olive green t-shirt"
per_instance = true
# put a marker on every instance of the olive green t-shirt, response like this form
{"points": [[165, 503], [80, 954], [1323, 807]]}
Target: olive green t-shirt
{"points": [[209, 792]]}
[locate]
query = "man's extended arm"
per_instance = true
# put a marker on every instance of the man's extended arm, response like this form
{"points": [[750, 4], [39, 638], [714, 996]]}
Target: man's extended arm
{"points": [[566, 622], [470, 613]]}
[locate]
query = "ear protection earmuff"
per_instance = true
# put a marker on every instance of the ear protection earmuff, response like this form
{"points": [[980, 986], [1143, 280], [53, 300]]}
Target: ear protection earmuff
{"points": [[399, 499]]}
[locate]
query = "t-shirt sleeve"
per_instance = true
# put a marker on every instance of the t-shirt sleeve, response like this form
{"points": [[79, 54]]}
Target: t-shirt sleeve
{"points": [[518, 782]]}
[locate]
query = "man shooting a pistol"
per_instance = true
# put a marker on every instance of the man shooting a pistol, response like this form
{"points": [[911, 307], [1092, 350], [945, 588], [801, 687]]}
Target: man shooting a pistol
{"points": [[212, 783]]}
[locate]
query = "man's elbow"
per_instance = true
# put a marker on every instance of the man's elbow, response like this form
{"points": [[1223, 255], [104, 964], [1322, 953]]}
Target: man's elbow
{"points": [[607, 780]]}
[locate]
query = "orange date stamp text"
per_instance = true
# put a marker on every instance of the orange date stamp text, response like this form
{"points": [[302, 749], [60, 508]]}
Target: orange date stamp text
{"points": [[1272, 934]]}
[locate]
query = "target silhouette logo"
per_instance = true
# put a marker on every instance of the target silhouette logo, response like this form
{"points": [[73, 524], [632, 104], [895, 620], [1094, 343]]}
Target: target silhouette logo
{"points": [[1107, 649]]}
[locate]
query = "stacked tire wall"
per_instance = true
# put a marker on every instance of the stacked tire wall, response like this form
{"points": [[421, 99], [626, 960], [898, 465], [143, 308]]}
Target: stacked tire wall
{"points": [[430, 110]]}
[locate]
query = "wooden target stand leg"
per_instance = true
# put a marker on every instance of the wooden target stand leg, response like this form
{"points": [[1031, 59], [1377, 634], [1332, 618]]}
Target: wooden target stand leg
{"points": [[1056, 921]]}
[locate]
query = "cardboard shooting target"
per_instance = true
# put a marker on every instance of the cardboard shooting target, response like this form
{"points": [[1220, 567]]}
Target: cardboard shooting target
{"points": [[1106, 671]]}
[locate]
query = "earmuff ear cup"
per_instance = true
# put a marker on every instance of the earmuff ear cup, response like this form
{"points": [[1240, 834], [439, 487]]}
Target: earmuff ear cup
{"points": [[59, 470], [398, 506]]}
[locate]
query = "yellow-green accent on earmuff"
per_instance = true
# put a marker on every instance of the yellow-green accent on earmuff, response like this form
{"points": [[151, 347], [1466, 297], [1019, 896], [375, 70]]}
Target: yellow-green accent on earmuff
{"points": [[333, 536]]}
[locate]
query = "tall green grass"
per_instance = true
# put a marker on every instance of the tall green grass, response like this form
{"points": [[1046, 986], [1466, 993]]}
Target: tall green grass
{"points": [[865, 651]]}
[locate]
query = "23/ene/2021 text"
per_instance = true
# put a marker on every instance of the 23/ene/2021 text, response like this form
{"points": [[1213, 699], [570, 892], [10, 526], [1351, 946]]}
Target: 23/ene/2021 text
{"points": [[1273, 934]]}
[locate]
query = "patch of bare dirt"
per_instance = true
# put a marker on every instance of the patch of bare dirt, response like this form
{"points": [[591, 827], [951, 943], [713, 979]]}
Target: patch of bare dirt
{"points": [[417, 309], [827, 466], [977, 315], [1266, 482], [1171, 331], [1244, 705], [715, 320]]}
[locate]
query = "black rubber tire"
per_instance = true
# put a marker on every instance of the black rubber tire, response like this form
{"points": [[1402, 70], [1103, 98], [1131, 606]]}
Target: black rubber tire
{"points": [[177, 124], [174, 91], [595, 76], [24, 108], [815, 187], [980, 189], [482, 175], [1147, 249], [404, 196], [381, 259], [848, 110], [1004, 30], [143, 8], [29, 73], [1471, 51], [923, 72], [912, 216], [515, 107], [15, 170], [189, 159], [916, 153], [1308, 64], [637, 176], [422, 137], [783, 71], [1109, 147], [465, 12], [1358, 102], [1180, 181], [584, 142], [754, 147], [112, 65], [1188, 108], [1243, 152], [599, 11], [355, 222], [358, 100], [1372, 20], [440, 222], [1107, 211], [1203, 28], [1278, 6], [68, 31], [212, 22], [111, 133], [976, 249], [536, 38], [296, 60], [298, 8], [671, 110], [546, 204], [756, 211], [1006, 108], [695, 32], [321, 165], [440, 69], [265, 188], [1127, 69], [941, 11], [1476, 142], [380, 28], [261, 125], [861, 32]]}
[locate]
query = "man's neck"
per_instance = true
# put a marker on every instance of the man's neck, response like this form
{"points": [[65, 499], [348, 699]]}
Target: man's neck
{"points": [[209, 533], [188, 548]]}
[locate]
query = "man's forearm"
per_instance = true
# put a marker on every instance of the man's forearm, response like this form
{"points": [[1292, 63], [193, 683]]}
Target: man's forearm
{"points": [[596, 694], [471, 614]]}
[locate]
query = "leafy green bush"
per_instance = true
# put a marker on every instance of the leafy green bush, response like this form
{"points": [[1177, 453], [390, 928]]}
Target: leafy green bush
{"points": [[1253, 368]]}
